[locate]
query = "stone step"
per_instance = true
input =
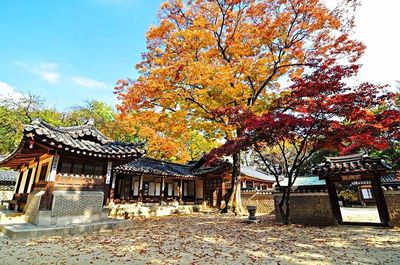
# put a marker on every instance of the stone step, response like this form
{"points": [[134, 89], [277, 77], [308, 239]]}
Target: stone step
{"points": [[27, 230]]}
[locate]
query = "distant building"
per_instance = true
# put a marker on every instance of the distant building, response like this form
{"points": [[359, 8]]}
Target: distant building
{"points": [[7, 184]]}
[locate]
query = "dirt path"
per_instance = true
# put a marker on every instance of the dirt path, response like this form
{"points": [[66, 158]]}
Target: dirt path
{"points": [[211, 239]]}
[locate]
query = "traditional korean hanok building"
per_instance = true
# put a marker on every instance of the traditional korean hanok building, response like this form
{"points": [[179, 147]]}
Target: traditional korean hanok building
{"points": [[65, 172], [252, 178], [152, 180], [218, 182]]}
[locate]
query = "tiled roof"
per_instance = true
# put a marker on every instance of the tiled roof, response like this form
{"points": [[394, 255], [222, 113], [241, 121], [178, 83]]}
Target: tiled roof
{"points": [[305, 181], [211, 169], [85, 139], [351, 164], [152, 166], [202, 167], [8, 177], [256, 173], [385, 180], [389, 179]]}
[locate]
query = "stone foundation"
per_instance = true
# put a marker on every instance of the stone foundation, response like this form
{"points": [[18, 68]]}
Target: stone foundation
{"points": [[26, 231], [130, 211], [263, 201], [393, 204], [32, 206], [308, 209]]}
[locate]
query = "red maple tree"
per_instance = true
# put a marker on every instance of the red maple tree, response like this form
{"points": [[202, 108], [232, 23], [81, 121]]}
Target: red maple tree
{"points": [[319, 111]]}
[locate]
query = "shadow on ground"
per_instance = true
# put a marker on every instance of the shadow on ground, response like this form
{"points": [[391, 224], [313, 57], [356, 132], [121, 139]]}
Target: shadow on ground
{"points": [[211, 239]]}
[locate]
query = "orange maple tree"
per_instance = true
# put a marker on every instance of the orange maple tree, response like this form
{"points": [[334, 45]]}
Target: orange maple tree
{"points": [[208, 54]]}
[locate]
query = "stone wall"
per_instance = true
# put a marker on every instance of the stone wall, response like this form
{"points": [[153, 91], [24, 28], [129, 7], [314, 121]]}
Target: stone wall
{"points": [[263, 201], [70, 203], [6, 192], [68, 207], [393, 204], [308, 209]]}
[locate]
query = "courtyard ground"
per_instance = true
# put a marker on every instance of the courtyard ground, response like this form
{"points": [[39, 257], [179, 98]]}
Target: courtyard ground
{"points": [[362, 214], [210, 239]]}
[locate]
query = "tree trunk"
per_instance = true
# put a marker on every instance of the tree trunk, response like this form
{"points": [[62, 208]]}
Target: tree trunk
{"points": [[235, 202], [281, 207], [284, 205], [287, 213]]}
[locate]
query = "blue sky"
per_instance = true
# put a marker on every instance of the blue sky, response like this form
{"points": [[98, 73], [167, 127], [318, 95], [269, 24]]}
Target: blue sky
{"points": [[71, 51]]}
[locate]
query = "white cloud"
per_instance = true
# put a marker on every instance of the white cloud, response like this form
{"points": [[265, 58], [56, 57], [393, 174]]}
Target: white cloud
{"points": [[48, 71], [7, 91], [87, 82]]}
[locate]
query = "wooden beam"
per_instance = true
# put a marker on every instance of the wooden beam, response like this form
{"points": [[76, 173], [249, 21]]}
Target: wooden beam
{"points": [[334, 200]]}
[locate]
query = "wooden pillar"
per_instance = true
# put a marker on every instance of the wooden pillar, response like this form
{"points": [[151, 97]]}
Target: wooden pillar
{"points": [[140, 187], [22, 181], [18, 182], [162, 188], [181, 192], [107, 184], [27, 180], [223, 193], [205, 192], [112, 190], [380, 200], [131, 192], [33, 180], [195, 188], [334, 200], [54, 167]]}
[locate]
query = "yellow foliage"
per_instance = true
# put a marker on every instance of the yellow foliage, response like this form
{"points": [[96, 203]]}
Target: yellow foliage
{"points": [[207, 55]]}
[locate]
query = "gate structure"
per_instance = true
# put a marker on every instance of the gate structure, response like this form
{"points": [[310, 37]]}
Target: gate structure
{"points": [[350, 170]]}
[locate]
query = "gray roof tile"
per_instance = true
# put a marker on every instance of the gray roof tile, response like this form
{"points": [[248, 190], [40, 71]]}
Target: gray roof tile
{"points": [[85, 138], [8, 177], [157, 167]]}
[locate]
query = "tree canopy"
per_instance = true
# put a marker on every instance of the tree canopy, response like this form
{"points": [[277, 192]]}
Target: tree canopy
{"points": [[204, 55], [318, 112], [15, 113]]}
